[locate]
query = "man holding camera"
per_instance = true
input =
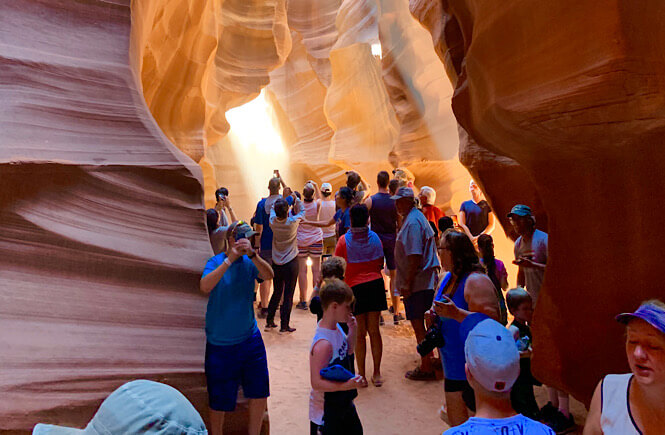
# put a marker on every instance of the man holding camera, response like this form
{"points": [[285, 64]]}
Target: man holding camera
{"points": [[235, 353]]}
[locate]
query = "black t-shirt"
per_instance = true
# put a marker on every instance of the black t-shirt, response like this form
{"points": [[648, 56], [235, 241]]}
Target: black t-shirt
{"points": [[477, 215]]}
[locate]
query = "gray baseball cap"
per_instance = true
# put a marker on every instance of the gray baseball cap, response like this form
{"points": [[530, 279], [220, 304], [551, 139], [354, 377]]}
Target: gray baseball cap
{"points": [[520, 210], [138, 407], [404, 192]]}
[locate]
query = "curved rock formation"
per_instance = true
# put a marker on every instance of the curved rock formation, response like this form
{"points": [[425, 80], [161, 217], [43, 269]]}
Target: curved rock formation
{"points": [[99, 215], [579, 104]]}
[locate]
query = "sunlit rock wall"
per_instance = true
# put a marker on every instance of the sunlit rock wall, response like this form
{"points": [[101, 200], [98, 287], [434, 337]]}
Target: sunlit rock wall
{"points": [[103, 237], [574, 93]]}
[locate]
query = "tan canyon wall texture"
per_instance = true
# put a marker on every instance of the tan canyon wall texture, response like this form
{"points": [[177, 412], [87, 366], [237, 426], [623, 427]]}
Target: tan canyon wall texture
{"points": [[571, 94], [114, 127]]}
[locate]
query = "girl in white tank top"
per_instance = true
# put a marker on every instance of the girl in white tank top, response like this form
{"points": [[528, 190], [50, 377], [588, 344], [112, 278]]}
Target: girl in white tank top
{"points": [[325, 214]]}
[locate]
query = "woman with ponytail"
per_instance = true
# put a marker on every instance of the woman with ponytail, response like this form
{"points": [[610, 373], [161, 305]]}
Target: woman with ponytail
{"points": [[496, 271]]}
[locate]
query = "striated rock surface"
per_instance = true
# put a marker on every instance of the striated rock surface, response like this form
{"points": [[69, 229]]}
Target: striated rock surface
{"points": [[103, 237], [575, 95]]}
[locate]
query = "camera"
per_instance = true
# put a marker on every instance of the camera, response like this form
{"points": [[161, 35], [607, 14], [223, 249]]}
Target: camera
{"points": [[433, 339]]}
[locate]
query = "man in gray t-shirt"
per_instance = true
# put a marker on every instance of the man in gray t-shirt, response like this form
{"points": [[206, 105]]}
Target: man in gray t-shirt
{"points": [[417, 268], [530, 250]]}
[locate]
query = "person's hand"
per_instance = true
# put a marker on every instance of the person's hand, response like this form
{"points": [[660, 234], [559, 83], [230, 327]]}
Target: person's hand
{"points": [[352, 322], [276, 172], [244, 247], [446, 308], [234, 253], [430, 317], [227, 202], [353, 383], [524, 262]]}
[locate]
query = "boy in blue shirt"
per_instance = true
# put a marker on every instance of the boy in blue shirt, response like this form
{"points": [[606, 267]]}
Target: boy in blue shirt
{"points": [[235, 353]]}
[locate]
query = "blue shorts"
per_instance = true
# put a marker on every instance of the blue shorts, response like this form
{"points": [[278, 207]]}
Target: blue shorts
{"points": [[227, 367]]}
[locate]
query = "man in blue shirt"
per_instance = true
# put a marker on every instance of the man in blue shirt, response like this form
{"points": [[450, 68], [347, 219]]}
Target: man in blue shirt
{"points": [[235, 353]]}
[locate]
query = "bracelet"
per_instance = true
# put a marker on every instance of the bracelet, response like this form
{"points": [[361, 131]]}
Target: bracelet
{"points": [[227, 262]]}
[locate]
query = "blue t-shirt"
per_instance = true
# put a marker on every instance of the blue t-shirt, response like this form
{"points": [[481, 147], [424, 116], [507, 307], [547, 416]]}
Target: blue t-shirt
{"points": [[262, 217], [477, 215], [230, 313], [515, 425], [343, 221]]}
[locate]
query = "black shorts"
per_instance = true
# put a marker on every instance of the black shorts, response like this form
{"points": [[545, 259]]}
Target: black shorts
{"points": [[388, 244], [370, 296], [418, 304], [455, 386]]}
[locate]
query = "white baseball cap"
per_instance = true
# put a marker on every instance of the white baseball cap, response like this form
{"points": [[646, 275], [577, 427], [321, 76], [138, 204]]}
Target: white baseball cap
{"points": [[492, 356], [326, 187], [138, 407]]}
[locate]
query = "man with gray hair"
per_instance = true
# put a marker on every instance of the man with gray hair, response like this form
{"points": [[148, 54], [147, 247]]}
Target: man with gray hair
{"points": [[417, 270]]}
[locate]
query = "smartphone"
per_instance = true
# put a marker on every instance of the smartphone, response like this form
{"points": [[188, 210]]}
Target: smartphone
{"points": [[444, 301]]}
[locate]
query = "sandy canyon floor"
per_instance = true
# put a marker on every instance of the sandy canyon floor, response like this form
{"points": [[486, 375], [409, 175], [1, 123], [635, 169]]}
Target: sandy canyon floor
{"points": [[398, 407]]}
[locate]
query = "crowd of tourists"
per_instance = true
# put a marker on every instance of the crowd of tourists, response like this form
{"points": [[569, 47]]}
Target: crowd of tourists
{"points": [[368, 253]]}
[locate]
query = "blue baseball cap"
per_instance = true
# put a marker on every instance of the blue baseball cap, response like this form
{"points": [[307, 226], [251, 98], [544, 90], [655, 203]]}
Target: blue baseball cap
{"points": [[520, 210], [649, 312], [138, 407]]}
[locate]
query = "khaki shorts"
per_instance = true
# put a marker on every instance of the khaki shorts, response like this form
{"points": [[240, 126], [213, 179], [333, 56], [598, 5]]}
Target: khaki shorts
{"points": [[329, 244]]}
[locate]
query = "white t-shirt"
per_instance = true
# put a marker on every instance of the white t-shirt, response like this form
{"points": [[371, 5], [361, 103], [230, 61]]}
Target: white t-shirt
{"points": [[325, 214], [337, 339], [515, 425], [615, 417]]}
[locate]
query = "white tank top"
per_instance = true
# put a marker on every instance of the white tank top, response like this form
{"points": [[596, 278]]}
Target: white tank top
{"points": [[327, 212], [307, 234], [615, 416], [340, 347]]}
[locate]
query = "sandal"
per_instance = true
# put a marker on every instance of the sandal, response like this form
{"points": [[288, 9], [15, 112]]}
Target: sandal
{"points": [[363, 383], [419, 375], [377, 380]]}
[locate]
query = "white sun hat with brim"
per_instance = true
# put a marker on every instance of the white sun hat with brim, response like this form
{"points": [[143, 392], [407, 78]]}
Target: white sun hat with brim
{"points": [[138, 407]]}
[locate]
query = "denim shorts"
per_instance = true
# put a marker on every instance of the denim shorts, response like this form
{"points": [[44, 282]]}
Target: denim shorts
{"points": [[228, 367]]}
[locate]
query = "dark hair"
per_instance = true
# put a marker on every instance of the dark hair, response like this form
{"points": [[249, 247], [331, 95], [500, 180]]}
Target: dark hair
{"points": [[334, 290], [465, 258], [281, 208], [346, 193], [382, 179], [487, 254], [308, 193], [298, 194], [359, 215], [333, 267], [221, 191], [433, 225], [516, 297], [393, 185], [445, 223], [212, 217], [326, 194], [352, 179]]}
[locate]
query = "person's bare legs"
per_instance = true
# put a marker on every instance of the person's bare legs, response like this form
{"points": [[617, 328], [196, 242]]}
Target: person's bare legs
{"points": [[458, 413], [376, 343], [418, 326], [257, 409], [302, 278], [216, 422], [316, 269], [394, 300], [264, 291], [361, 343]]}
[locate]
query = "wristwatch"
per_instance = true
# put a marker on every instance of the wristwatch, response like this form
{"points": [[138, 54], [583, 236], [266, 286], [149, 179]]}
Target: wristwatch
{"points": [[251, 257]]}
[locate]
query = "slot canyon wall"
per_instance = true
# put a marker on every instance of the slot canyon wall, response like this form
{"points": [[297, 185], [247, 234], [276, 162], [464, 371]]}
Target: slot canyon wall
{"points": [[571, 102]]}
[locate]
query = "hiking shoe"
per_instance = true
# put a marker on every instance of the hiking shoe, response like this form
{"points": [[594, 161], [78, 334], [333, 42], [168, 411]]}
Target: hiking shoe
{"points": [[419, 375], [396, 319], [381, 321], [269, 326], [263, 313], [391, 310], [549, 413], [287, 329], [301, 306], [562, 425]]}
